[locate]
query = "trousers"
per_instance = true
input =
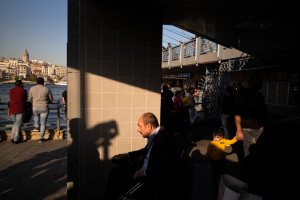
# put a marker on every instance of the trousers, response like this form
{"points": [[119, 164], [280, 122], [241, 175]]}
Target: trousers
{"points": [[17, 118], [250, 138], [40, 116]]}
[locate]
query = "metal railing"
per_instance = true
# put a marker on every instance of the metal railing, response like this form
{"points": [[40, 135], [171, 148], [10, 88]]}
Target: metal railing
{"points": [[198, 46], [52, 106]]}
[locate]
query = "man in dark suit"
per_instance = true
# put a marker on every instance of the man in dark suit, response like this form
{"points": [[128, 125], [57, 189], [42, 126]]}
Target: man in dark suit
{"points": [[154, 165]]}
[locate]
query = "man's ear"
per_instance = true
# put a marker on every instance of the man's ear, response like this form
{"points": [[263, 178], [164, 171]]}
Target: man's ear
{"points": [[149, 126]]}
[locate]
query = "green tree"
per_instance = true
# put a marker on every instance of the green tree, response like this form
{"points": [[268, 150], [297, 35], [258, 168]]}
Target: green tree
{"points": [[31, 77]]}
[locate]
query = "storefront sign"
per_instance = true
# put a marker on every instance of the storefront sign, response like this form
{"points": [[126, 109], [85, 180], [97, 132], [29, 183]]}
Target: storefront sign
{"points": [[184, 75]]}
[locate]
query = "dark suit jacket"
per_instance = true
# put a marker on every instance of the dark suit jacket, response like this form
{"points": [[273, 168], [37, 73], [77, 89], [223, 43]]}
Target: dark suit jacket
{"points": [[163, 158]]}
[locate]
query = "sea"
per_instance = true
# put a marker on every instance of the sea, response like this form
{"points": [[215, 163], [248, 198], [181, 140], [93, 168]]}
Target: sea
{"points": [[56, 90]]}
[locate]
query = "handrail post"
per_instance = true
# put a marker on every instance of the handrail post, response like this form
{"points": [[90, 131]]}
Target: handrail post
{"points": [[181, 55], [220, 53], [58, 114], [170, 58], [197, 50]]}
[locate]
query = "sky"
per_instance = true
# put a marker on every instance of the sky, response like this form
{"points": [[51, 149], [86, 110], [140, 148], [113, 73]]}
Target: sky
{"points": [[40, 26], [172, 35]]}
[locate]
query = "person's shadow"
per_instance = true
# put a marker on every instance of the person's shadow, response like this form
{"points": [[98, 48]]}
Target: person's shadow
{"points": [[88, 159]]}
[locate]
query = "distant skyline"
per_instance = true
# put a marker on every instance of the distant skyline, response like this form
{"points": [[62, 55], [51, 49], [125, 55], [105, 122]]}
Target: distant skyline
{"points": [[40, 26]]}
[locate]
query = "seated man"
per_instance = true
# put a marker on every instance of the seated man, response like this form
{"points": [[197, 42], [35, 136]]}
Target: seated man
{"points": [[154, 165]]}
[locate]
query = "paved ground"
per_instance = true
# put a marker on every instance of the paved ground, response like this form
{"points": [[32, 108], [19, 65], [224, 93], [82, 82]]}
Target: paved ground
{"points": [[38, 171], [33, 171], [202, 182]]}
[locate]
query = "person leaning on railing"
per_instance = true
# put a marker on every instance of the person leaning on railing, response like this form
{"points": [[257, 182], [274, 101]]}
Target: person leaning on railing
{"points": [[16, 109], [40, 96]]}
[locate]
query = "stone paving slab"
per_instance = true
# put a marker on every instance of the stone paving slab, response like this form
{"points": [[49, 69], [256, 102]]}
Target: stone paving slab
{"points": [[30, 170]]}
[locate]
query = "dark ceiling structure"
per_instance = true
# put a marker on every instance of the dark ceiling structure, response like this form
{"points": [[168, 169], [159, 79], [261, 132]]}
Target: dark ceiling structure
{"points": [[263, 29]]}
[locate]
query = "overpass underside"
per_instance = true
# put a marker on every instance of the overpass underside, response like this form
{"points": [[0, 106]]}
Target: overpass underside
{"points": [[114, 72]]}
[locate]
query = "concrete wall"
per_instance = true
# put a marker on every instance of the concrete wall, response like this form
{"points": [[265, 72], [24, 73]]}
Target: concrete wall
{"points": [[114, 62]]}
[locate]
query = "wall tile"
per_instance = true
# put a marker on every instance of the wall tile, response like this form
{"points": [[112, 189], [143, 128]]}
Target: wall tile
{"points": [[92, 68], [136, 114], [139, 100], [108, 114], [93, 52], [139, 70], [93, 100], [108, 85], [123, 115], [93, 115], [153, 100], [124, 85], [109, 100], [139, 55], [123, 145], [124, 54], [109, 53], [92, 84], [109, 69], [125, 130], [124, 69], [139, 85], [153, 85], [124, 100], [109, 37], [154, 70]]}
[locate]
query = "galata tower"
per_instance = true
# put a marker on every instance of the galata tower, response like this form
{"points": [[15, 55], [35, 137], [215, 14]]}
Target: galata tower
{"points": [[26, 56]]}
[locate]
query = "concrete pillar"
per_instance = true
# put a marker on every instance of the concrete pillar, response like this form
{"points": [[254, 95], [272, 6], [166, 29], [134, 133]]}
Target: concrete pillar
{"points": [[114, 60]]}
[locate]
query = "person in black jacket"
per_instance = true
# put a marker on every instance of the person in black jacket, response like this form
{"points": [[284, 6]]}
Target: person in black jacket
{"points": [[250, 113], [155, 164]]}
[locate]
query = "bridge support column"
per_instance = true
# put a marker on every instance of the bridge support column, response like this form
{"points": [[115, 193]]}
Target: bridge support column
{"points": [[114, 60]]}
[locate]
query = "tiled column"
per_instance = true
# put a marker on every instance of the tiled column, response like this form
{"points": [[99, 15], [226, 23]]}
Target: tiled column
{"points": [[120, 70]]}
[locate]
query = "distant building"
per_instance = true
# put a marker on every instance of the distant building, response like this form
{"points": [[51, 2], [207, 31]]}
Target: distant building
{"points": [[45, 70], [24, 71], [61, 71], [25, 56], [51, 71], [2, 75], [13, 62]]}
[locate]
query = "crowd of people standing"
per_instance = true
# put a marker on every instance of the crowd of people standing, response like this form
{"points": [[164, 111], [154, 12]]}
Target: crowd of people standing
{"points": [[179, 105]]}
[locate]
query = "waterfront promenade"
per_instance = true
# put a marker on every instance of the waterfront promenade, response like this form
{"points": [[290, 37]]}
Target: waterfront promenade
{"points": [[30, 170]]}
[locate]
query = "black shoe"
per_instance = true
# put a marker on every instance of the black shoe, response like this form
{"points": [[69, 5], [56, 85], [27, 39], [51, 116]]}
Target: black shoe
{"points": [[18, 141], [12, 140]]}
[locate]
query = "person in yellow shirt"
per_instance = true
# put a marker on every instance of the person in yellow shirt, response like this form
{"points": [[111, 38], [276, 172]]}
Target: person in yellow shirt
{"points": [[216, 152]]}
